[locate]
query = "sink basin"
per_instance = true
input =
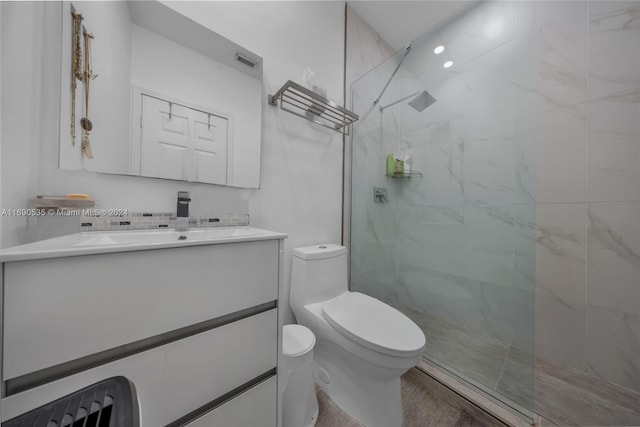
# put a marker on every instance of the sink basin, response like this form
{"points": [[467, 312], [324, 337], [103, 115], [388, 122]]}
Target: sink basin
{"points": [[164, 236], [92, 242]]}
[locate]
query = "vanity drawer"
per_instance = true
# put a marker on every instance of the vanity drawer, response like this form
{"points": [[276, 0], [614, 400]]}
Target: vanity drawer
{"points": [[175, 379], [62, 309], [254, 408]]}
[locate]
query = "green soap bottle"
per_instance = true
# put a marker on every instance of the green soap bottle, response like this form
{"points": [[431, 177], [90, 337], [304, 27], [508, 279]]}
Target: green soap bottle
{"points": [[391, 164]]}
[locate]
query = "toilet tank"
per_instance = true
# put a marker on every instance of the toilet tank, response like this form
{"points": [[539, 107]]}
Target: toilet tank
{"points": [[318, 273]]}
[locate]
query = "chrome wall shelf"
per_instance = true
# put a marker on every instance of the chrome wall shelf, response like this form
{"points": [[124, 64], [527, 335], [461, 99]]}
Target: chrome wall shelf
{"points": [[307, 104]]}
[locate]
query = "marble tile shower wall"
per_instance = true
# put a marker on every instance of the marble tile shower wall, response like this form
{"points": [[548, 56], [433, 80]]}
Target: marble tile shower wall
{"points": [[588, 212], [373, 248], [531, 187]]}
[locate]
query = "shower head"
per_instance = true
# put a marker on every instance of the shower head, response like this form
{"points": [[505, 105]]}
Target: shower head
{"points": [[419, 101], [422, 101]]}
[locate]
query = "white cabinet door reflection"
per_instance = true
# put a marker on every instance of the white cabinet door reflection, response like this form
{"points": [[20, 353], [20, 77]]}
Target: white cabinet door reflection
{"points": [[209, 144], [178, 142]]}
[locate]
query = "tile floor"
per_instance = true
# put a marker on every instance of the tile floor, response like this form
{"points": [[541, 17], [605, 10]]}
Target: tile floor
{"points": [[567, 397], [424, 403], [559, 394]]}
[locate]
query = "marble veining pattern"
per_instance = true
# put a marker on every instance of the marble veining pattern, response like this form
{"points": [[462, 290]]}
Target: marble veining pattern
{"points": [[615, 23], [566, 319], [560, 255], [613, 346], [551, 58], [614, 148], [560, 154], [614, 256], [569, 397]]}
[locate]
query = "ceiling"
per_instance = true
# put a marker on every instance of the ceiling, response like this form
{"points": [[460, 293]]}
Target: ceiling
{"points": [[399, 22]]}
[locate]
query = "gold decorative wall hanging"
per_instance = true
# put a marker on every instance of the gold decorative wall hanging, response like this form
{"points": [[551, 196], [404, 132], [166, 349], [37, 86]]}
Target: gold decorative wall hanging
{"points": [[76, 65], [88, 75], [81, 70]]}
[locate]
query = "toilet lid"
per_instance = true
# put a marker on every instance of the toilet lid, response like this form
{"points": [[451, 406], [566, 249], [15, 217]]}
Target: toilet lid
{"points": [[373, 324], [296, 340]]}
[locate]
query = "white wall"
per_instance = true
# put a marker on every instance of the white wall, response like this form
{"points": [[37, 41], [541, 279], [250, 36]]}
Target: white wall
{"points": [[20, 93], [301, 163]]}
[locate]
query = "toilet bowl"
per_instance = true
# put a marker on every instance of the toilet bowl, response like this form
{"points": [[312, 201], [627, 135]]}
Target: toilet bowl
{"points": [[363, 346], [298, 390]]}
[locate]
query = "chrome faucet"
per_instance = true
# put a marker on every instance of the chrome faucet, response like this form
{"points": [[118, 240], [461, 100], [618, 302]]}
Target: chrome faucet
{"points": [[182, 220]]}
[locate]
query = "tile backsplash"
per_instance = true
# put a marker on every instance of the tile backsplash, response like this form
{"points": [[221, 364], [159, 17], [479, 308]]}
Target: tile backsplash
{"points": [[156, 220]]}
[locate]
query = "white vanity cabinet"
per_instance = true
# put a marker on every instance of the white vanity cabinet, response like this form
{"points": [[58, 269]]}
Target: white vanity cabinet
{"points": [[194, 328], [255, 407]]}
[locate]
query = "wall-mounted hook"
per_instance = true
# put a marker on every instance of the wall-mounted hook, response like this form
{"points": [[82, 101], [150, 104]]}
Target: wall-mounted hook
{"points": [[170, 109]]}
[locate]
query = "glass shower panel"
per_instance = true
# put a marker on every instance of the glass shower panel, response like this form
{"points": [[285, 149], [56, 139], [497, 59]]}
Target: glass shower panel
{"points": [[373, 251], [452, 245]]}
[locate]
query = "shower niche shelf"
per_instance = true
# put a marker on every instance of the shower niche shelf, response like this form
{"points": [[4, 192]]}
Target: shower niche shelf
{"points": [[305, 103], [405, 175]]}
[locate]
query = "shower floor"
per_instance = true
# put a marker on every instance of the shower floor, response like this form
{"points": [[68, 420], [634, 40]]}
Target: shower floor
{"points": [[560, 395]]}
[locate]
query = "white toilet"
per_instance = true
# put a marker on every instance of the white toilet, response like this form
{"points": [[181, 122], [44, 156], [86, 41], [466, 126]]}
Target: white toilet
{"points": [[363, 345], [299, 401]]}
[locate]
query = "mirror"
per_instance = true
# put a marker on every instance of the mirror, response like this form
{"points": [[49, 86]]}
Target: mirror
{"points": [[166, 97]]}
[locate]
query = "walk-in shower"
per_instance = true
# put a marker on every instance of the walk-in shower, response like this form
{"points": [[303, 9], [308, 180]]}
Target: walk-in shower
{"points": [[451, 245], [520, 216]]}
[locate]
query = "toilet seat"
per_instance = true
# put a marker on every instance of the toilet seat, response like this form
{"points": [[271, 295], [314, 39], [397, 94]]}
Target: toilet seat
{"points": [[373, 324]]}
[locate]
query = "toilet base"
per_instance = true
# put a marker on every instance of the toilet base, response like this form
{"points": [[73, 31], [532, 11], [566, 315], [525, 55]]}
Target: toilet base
{"points": [[364, 392], [314, 417]]}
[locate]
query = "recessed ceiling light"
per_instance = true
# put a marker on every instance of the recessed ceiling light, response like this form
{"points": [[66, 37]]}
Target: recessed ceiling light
{"points": [[438, 50], [447, 64]]}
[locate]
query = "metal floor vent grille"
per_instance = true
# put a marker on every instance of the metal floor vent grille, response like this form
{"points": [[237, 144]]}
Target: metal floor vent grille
{"points": [[109, 403]]}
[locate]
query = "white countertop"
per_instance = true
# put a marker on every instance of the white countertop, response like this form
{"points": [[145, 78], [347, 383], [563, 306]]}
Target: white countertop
{"points": [[97, 242]]}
